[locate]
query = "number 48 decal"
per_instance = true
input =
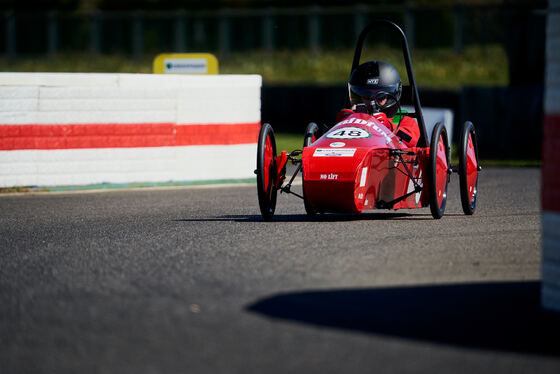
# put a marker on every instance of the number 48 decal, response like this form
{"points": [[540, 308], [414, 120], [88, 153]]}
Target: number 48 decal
{"points": [[349, 133]]}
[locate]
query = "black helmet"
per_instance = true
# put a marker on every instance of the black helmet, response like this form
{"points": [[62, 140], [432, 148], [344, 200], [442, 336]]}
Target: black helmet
{"points": [[371, 83]]}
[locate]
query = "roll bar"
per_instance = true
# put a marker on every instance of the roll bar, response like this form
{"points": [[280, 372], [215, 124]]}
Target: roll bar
{"points": [[423, 141]]}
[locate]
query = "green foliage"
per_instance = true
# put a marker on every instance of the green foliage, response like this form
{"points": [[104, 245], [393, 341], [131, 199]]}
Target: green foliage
{"points": [[439, 68], [288, 141], [78, 63]]}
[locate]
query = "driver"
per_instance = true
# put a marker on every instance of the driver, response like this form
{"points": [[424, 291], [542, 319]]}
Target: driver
{"points": [[377, 86]]}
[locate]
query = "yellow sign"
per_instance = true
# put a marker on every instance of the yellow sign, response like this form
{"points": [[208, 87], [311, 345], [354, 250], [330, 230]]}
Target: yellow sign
{"points": [[186, 63]]}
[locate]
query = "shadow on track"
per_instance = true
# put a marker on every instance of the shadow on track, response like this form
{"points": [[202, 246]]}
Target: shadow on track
{"points": [[306, 218], [502, 316]]}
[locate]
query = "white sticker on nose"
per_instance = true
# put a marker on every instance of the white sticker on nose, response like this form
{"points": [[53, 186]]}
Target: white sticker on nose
{"points": [[364, 177]]}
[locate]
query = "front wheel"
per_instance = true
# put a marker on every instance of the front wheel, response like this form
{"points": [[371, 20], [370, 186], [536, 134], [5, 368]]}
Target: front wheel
{"points": [[266, 172], [310, 136], [438, 170], [468, 168]]}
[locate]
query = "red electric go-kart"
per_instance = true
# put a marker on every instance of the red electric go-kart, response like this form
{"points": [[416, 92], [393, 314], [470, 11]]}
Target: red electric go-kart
{"points": [[360, 164]]}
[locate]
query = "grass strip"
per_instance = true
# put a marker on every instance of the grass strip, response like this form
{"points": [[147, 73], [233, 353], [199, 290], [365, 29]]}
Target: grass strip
{"points": [[116, 186]]}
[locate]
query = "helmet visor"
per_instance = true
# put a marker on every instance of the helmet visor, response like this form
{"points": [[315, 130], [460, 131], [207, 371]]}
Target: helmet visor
{"points": [[384, 96]]}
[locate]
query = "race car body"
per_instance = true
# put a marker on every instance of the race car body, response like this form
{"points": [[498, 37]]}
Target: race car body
{"points": [[357, 166]]}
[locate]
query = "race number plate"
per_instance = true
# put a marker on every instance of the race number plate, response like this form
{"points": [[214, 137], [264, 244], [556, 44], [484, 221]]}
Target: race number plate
{"points": [[349, 133]]}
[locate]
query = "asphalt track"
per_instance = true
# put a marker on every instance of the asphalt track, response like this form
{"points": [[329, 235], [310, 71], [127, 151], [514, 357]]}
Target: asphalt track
{"points": [[191, 280]]}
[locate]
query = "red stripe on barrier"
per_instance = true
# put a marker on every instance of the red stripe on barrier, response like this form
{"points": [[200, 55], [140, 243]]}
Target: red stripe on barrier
{"points": [[551, 164], [72, 136], [218, 134]]}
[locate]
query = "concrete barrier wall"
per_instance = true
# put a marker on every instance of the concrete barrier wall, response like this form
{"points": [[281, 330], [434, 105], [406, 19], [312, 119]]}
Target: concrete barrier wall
{"points": [[79, 129], [551, 165]]}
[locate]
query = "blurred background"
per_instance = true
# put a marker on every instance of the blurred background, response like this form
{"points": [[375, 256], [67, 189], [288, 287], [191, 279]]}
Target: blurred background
{"points": [[484, 59]]}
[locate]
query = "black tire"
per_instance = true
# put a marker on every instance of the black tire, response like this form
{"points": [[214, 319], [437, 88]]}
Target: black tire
{"points": [[266, 172], [469, 191], [310, 136], [311, 133], [438, 197]]}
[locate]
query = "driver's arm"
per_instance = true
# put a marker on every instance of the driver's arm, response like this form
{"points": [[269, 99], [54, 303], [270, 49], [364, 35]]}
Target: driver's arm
{"points": [[408, 131]]}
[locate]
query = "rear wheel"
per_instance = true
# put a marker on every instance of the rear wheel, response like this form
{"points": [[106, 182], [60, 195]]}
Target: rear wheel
{"points": [[438, 170], [468, 168], [266, 172], [311, 133]]}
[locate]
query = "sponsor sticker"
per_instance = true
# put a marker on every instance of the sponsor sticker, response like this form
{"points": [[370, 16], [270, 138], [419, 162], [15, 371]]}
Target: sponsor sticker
{"points": [[329, 152], [349, 132], [330, 176], [337, 144], [185, 63], [357, 121], [192, 66], [363, 177], [417, 197], [411, 188], [338, 134], [383, 133]]}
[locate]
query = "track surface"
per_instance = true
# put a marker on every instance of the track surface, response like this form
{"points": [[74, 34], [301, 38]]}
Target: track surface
{"points": [[192, 281]]}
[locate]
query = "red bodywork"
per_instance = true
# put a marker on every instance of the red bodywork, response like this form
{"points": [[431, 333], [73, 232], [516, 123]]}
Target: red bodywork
{"points": [[350, 169]]}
